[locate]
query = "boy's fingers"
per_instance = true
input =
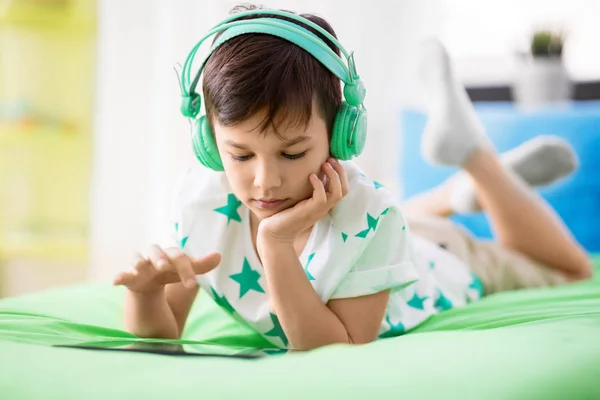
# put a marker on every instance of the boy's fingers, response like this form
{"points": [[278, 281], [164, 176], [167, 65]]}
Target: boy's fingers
{"points": [[124, 278], [159, 259], [206, 264], [183, 265], [323, 180], [335, 185], [339, 168], [143, 265], [319, 196], [119, 279]]}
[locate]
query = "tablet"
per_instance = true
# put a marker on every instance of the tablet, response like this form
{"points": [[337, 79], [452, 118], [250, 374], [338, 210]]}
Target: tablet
{"points": [[171, 349]]}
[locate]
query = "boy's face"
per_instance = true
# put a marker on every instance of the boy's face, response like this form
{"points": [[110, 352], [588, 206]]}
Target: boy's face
{"points": [[269, 174]]}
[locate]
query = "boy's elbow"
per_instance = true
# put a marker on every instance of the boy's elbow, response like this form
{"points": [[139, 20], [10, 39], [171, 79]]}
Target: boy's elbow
{"points": [[584, 272]]}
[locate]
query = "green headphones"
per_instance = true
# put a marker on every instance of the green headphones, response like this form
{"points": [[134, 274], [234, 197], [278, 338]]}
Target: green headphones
{"points": [[350, 126]]}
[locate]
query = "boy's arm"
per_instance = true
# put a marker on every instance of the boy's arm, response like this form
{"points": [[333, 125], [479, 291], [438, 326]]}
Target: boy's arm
{"points": [[307, 322], [180, 300], [149, 315], [161, 314], [161, 290]]}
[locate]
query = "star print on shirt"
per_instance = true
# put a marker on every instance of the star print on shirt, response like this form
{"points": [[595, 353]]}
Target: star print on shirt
{"points": [[442, 303], [344, 237], [476, 284], [417, 302], [248, 279], [372, 225], [221, 301], [395, 329], [183, 241], [310, 277], [231, 209], [377, 185], [277, 330]]}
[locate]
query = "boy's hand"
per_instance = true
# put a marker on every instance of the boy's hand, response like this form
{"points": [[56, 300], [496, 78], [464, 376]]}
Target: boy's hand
{"points": [[151, 274], [286, 225]]}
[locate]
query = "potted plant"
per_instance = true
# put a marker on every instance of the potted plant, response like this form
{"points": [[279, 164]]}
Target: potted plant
{"points": [[541, 76]]}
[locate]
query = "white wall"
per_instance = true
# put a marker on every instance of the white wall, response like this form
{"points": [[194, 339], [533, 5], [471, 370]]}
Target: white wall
{"points": [[141, 141], [484, 35]]}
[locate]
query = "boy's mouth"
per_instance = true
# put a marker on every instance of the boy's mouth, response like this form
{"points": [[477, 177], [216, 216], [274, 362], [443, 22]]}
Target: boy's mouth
{"points": [[269, 204]]}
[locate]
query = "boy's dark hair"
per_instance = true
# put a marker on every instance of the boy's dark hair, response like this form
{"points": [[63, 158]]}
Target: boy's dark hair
{"points": [[255, 72]]}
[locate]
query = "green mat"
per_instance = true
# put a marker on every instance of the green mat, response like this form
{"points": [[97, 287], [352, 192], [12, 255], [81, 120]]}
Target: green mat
{"points": [[531, 344]]}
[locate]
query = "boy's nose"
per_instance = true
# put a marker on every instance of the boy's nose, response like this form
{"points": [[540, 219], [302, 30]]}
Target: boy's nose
{"points": [[266, 177]]}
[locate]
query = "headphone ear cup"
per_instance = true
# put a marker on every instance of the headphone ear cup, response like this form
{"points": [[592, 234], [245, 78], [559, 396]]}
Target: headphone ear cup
{"points": [[204, 145], [349, 132]]}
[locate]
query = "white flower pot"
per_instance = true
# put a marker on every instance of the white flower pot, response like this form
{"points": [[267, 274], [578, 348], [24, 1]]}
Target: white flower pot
{"points": [[540, 81]]}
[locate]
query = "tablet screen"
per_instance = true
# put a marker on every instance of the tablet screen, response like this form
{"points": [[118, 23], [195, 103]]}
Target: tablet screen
{"points": [[195, 349]]}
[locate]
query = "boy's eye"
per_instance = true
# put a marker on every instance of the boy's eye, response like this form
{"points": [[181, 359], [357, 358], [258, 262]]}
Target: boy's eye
{"points": [[294, 156], [285, 155], [240, 158]]}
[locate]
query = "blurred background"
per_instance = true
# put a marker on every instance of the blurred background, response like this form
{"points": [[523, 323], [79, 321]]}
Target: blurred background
{"points": [[92, 142]]}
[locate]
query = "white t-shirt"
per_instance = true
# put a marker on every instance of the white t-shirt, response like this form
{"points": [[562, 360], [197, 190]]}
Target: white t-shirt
{"points": [[363, 246]]}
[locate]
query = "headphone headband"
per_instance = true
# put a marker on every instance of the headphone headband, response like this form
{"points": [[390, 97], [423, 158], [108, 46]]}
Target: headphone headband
{"points": [[289, 15], [232, 27], [285, 30]]}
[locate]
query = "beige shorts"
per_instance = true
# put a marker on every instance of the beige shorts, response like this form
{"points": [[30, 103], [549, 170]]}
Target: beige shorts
{"points": [[498, 267]]}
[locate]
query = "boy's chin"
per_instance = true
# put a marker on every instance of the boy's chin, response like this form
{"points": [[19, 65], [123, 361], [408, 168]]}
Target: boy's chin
{"points": [[262, 214]]}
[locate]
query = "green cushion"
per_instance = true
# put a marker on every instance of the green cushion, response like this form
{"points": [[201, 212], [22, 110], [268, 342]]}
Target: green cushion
{"points": [[535, 344]]}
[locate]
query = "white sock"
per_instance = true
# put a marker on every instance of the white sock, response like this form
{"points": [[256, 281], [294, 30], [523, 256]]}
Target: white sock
{"points": [[540, 161], [453, 130]]}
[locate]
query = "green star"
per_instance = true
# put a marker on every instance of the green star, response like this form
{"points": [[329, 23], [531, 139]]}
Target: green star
{"points": [[310, 277], [221, 301], [231, 209], [277, 331], [372, 221], [442, 303], [377, 185], [476, 285], [385, 211], [183, 241], [344, 237], [372, 225], [395, 330], [431, 264], [417, 302], [176, 226], [248, 279]]}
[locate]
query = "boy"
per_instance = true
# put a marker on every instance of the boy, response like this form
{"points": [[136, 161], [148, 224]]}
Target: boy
{"points": [[305, 248]]}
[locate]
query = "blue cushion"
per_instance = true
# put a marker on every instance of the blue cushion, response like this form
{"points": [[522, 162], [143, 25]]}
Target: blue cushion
{"points": [[576, 198]]}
